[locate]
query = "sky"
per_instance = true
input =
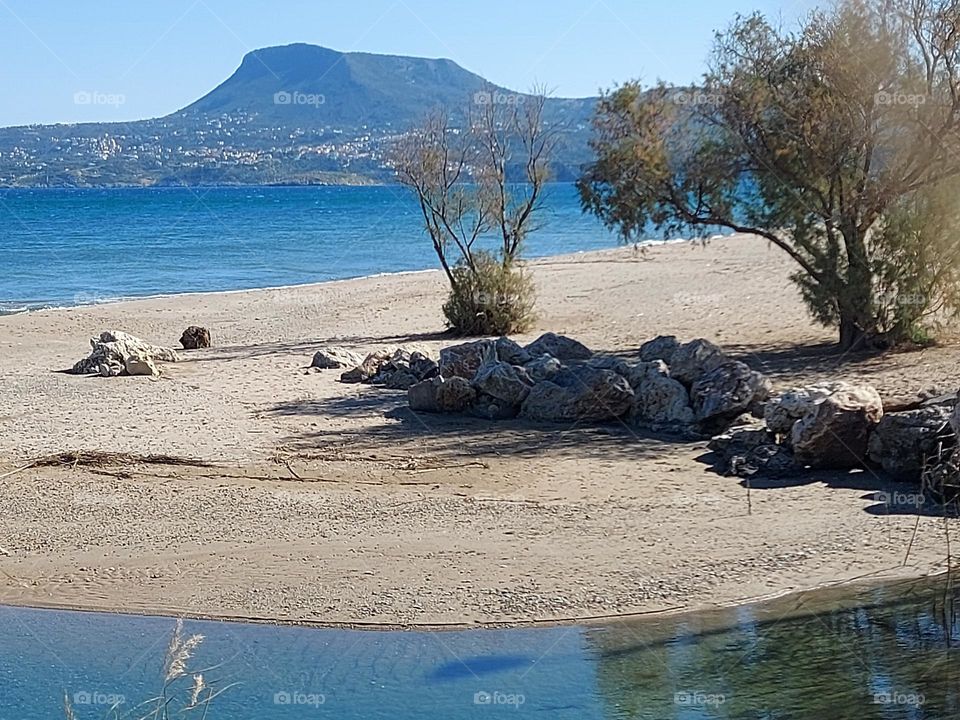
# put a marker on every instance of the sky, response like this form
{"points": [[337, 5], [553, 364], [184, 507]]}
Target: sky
{"points": [[104, 60]]}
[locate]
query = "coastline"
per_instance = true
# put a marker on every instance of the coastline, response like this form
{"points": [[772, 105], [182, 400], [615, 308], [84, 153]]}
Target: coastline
{"points": [[328, 504]]}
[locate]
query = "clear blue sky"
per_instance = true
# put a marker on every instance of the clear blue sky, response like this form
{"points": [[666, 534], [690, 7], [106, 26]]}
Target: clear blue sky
{"points": [[157, 56]]}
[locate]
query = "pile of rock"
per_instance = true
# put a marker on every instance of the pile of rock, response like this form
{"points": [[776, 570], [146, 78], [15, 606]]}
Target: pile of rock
{"points": [[837, 425], [117, 353], [672, 387], [397, 369]]}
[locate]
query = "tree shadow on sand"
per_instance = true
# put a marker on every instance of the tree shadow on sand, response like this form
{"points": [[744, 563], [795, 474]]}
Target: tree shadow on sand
{"points": [[892, 497], [403, 429]]}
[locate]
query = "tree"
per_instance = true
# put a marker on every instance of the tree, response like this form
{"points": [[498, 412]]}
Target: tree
{"points": [[485, 179], [828, 142]]}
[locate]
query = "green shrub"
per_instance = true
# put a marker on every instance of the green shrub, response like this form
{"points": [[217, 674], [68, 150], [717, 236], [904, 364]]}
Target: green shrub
{"points": [[489, 298]]}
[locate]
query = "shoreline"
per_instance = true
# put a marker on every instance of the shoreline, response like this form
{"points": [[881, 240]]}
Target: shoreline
{"points": [[533, 260], [330, 503], [829, 595]]}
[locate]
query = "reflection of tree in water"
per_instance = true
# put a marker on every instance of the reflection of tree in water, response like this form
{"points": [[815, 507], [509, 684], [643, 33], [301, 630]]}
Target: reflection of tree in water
{"points": [[825, 666]]}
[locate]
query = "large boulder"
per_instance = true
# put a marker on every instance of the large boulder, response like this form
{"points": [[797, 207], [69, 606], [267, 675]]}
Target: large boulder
{"points": [[563, 348], [111, 351], [751, 450], [694, 359], [904, 442], [725, 392], [465, 359], [502, 381], [659, 400], [835, 431], [782, 412], [334, 358], [438, 395], [195, 337], [579, 393], [661, 347]]}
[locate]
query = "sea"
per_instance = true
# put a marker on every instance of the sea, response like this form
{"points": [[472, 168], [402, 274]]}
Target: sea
{"points": [[65, 247], [887, 652]]}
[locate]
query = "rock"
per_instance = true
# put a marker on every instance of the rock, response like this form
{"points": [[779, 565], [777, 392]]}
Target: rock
{"points": [[610, 362], [455, 394], [782, 411], [368, 369], [659, 400], [335, 357], [400, 380], [111, 350], [750, 450], [140, 365], [725, 392], [579, 393], [766, 460], [195, 337], [741, 439], [542, 368], [511, 352], [502, 381], [561, 347], [661, 347], [835, 430], [694, 359], [955, 417], [902, 443], [465, 359], [423, 366], [422, 397], [439, 395]]}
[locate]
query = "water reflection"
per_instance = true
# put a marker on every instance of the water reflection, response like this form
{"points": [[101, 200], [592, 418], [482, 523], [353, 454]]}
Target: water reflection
{"points": [[891, 656], [886, 653]]}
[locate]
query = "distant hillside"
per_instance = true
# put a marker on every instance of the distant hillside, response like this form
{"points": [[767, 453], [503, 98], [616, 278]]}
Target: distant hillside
{"points": [[292, 114]]}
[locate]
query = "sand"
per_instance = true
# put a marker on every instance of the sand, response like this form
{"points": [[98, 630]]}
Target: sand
{"points": [[312, 501]]}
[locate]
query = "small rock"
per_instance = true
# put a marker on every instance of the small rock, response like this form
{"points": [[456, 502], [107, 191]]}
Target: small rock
{"points": [[334, 358], [195, 337]]}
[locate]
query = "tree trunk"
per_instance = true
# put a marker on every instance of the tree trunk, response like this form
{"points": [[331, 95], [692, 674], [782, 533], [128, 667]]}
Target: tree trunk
{"points": [[855, 301], [853, 336]]}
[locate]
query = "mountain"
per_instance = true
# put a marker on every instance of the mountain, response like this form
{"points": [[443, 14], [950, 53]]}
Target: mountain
{"points": [[293, 114]]}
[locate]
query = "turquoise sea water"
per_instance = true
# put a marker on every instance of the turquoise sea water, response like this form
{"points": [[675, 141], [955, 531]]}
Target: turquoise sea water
{"points": [[66, 247], [888, 653]]}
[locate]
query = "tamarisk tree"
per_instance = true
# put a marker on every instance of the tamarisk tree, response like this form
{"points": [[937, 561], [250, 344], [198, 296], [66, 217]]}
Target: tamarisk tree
{"points": [[837, 142], [480, 185]]}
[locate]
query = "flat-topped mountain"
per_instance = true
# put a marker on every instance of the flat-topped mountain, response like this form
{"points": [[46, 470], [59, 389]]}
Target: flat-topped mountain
{"points": [[293, 114]]}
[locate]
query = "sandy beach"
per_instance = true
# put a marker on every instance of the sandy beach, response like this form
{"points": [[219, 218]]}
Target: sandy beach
{"points": [[297, 498]]}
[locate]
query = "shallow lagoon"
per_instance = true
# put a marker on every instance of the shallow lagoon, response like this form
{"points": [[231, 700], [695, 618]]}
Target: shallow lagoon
{"points": [[886, 652]]}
